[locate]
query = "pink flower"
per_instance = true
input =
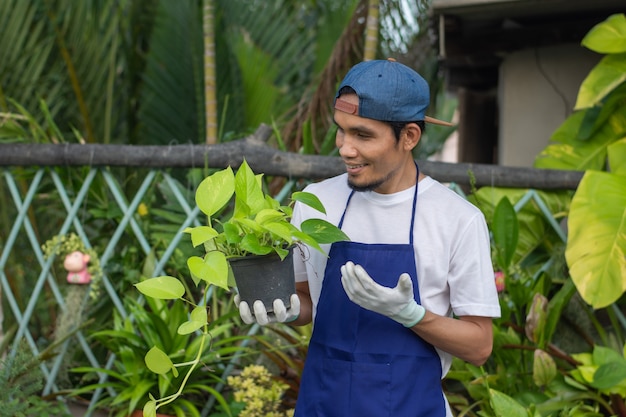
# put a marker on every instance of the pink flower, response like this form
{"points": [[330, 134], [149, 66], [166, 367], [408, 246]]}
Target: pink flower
{"points": [[499, 277]]}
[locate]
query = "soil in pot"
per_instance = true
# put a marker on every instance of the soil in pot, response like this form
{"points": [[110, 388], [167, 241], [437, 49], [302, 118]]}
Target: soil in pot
{"points": [[264, 278]]}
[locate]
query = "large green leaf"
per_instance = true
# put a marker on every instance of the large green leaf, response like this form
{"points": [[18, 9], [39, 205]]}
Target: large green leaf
{"points": [[503, 405], [595, 117], [250, 198], [215, 191], [607, 37], [165, 288], [213, 269], [567, 152], [617, 157], [596, 250], [158, 362], [309, 199], [505, 230], [603, 78], [323, 231], [533, 227]]}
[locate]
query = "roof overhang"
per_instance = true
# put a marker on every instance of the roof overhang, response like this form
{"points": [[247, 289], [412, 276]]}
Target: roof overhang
{"points": [[474, 35]]}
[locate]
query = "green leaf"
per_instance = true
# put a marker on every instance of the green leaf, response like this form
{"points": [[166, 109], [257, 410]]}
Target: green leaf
{"points": [[282, 231], [162, 288], [248, 191], [149, 409], [617, 157], [158, 362], [596, 117], [213, 269], [323, 231], [605, 77], [608, 37], [198, 319], [503, 405], [308, 240], [603, 355], [250, 243], [251, 225], [609, 375], [505, 230], [309, 199], [269, 215], [557, 304], [233, 233], [567, 152], [201, 234], [596, 249], [215, 191]]}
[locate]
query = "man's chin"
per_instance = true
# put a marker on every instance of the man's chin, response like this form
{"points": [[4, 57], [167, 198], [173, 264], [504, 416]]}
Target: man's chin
{"points": [[360, 187]]}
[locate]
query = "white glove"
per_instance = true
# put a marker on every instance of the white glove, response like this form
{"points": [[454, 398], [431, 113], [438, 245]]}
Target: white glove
{"points": [[280, 314], [396, 303]]}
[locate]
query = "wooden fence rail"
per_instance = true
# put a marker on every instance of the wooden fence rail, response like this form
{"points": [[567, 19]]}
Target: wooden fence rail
{"points": [[265, 159]]}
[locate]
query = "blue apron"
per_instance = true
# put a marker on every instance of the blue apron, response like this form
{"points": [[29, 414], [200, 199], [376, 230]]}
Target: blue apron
{"points": [[361, 363]]}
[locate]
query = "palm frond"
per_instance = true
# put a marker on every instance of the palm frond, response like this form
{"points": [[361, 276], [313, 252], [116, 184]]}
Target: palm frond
{"points": [[314, 107], [172, 81]]}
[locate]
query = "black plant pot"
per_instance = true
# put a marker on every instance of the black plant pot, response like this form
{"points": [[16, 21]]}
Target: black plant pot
{"points": [[264, 278]]}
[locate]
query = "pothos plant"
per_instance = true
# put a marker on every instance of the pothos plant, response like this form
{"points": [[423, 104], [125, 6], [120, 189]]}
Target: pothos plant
{"points": [[242, 220]]}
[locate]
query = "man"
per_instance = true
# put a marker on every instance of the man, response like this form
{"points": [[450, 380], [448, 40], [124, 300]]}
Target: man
{"points": [[413, 287]]}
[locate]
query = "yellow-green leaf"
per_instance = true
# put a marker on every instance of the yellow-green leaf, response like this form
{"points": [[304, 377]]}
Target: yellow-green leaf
{"points": [[503, 405], [201, 234], [607, 37], [163, 288], [213, 269], [215, 191], [158, 362], [309, 199], [198, 319], [605, 77], [596, 248], [149, 409]]}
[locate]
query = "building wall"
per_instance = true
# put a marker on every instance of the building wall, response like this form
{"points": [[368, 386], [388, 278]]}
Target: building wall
{"points": [[537, 92]]}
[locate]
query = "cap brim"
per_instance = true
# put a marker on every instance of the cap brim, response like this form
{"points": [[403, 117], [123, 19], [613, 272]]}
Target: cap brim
{"points": [[434, 121]]}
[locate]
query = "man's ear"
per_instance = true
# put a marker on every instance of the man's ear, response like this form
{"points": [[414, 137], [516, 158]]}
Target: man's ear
{"points": [[411, 136]]}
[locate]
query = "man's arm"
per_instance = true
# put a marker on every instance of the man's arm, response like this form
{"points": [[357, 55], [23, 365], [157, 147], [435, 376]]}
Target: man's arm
{"points": [[469, 337], [306, 305]]}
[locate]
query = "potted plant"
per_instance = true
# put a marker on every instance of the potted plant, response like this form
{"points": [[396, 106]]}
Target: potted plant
{"points": [[242, 222], [255, 237]]}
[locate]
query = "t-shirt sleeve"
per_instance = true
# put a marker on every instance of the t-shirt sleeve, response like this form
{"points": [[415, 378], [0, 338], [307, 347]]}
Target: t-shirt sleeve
{"points": [[471, 277]]}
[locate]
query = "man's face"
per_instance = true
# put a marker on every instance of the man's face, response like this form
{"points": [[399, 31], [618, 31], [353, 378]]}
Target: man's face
{"points": [[374, 159]]}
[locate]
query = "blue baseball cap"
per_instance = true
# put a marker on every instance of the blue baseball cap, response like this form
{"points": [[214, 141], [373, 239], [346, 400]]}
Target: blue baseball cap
{"points": [[388, 91]]}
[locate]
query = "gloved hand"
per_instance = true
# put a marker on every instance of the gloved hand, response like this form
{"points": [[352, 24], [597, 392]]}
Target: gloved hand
{"points": [[396, 303], [280, 314]]}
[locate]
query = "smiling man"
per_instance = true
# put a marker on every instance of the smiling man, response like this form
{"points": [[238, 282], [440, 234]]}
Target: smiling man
{"points": [[413, 287]]}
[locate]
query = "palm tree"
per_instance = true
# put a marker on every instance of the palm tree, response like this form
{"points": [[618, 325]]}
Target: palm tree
{"points": [[132, 72]]}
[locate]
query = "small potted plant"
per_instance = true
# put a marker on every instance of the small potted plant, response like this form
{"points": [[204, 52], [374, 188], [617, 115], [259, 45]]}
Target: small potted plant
{"points": [[254, 244], [243, 222]]}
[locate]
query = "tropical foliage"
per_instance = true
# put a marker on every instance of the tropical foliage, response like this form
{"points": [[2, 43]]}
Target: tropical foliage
{"points": [[592, 139], [133, 72], [562, 256]]}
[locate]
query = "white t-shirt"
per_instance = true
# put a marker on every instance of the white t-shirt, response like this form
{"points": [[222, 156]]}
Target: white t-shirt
{"points": [[451, 241]]}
